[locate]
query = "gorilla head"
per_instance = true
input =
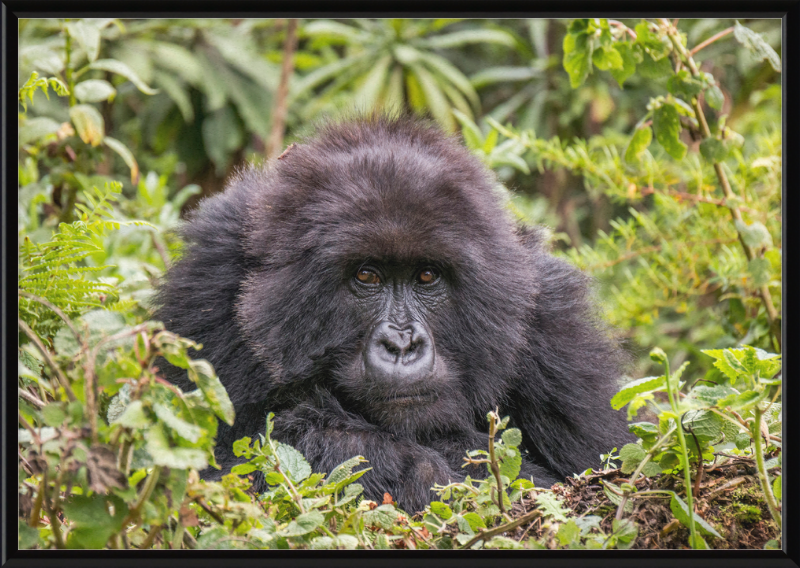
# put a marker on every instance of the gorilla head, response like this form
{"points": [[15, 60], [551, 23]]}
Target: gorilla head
{"points": [[370, 289]]}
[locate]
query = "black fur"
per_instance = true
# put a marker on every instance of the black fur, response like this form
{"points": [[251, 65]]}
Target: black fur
{"points": [[266, 285]]}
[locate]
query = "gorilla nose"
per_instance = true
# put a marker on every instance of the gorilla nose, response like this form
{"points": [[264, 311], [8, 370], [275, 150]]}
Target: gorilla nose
{"points": [[400, 353]]}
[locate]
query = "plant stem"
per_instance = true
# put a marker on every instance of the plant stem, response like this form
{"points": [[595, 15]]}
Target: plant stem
{"points": [[766, 296], [493, 463], [68, 68], [684, 452], [762, 471], [650, 453], [486, 534], [48, 359], [710, 40], [281, 97]]}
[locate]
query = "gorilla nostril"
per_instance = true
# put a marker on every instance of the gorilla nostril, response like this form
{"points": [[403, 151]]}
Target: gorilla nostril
{"points": [[394, 353]]}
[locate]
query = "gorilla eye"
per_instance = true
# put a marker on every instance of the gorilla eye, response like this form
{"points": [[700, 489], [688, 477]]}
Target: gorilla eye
{"points": [[427, 276], [367, 276]]}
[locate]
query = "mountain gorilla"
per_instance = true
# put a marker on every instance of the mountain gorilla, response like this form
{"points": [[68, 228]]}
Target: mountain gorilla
{"points": [[370, 288]]}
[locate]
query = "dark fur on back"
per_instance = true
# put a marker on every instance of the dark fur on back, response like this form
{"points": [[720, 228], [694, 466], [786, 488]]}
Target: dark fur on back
{"points": [[263, 286]]}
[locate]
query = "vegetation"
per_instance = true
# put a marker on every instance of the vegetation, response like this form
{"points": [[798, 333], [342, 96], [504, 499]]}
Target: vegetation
{"points": [[652, 148]]}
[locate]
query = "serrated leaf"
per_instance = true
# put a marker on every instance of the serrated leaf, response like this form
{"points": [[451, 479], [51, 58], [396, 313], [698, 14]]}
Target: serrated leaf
{"points": [[744, 400], [88, 36], [475, 521], [344, 470], [684, 85], [511, 463], [512, 437], [158, 446], [292, 462], [710, 395], [606, 58], [681, 511], [303, 524], [625, 531], [667, 127], [202, 374], [628, 63], [631, 456], [577, 57], [441, 509], [89, 123], [633, 388], [757, 46], [643, 429], [133, 416], [652, 69], [552, 506], [184, 429], [383, 516], [640, 141], [704, 424]]}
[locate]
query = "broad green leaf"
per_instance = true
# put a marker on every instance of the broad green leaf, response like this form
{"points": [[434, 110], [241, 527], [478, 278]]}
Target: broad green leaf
{"points": [[94, 91], [568, 532], [181, 427], [628, 68], [176, 91], [158, 447], [713, 150], [36, 128], [28, 536], [684, 85], [643, 429], [633, 388], [511, 463], [681, 511], [654, 69], [551, 506], [120, 68], [177, 59], [759, 271], [133, 416], [656, 44], [89, 123], [667, 127], [292, 462], [303, 524], [441, 510], [606, 58], [243, 468], [475, 521], [757, 46], [53, 414], [88, 36], [577, 57], [639, 143], [704, 424], [777, 488], [383, 516], [714, 97], [711, 394], [625, 531], [755, 234], [744, 400], [512, 437]]}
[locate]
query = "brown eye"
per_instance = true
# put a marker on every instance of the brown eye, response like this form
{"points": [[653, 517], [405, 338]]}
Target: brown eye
{"points": [[427, 276], [366, 276]]}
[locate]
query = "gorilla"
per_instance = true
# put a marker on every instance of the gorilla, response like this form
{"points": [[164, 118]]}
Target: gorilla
{"points": [[370, 289]]}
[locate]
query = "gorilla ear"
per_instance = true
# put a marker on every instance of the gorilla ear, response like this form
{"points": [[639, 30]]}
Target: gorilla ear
{"points": [[289, 148]]}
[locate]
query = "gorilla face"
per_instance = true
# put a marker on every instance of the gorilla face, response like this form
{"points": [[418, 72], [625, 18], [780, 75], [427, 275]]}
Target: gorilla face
{"points": [[371, 289]]}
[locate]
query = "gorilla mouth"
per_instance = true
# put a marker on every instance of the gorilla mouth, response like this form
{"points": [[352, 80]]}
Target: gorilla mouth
{"points": [[407, 399]]}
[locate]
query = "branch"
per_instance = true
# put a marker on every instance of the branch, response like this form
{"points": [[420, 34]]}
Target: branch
{"points": [[486, 534], [62, 378], [281, 97]]}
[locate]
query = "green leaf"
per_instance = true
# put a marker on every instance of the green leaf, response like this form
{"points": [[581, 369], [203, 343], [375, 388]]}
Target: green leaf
{"points": [[158, 447], [125, 154], [704, 424], [744, 400], [34, 129], [367, 95], [552, 506], [639, 143], [53, 414], [28, 536], [628, 63], [684, 85], [436, 101], [292, 462], [568, 532], [244, 468], [681, 511], [667, 126], [754, 234], [652, 69], [759, 271], [344, 470], [202, 374], [655, 44], [633, 388], [133, 416], [606, 58], [94, 91], [120, 68], [753, 42], [475, 521], [511, 463], [441, 510], [303, 524], [777, 488], [466, 37], [710, 395], [186, 430], [89, 123], [714, 97], [643, 429], [512, 437], [88, 36], [713, 150], [611, 491], [383, 516], [625, 531], [577, 57]]}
